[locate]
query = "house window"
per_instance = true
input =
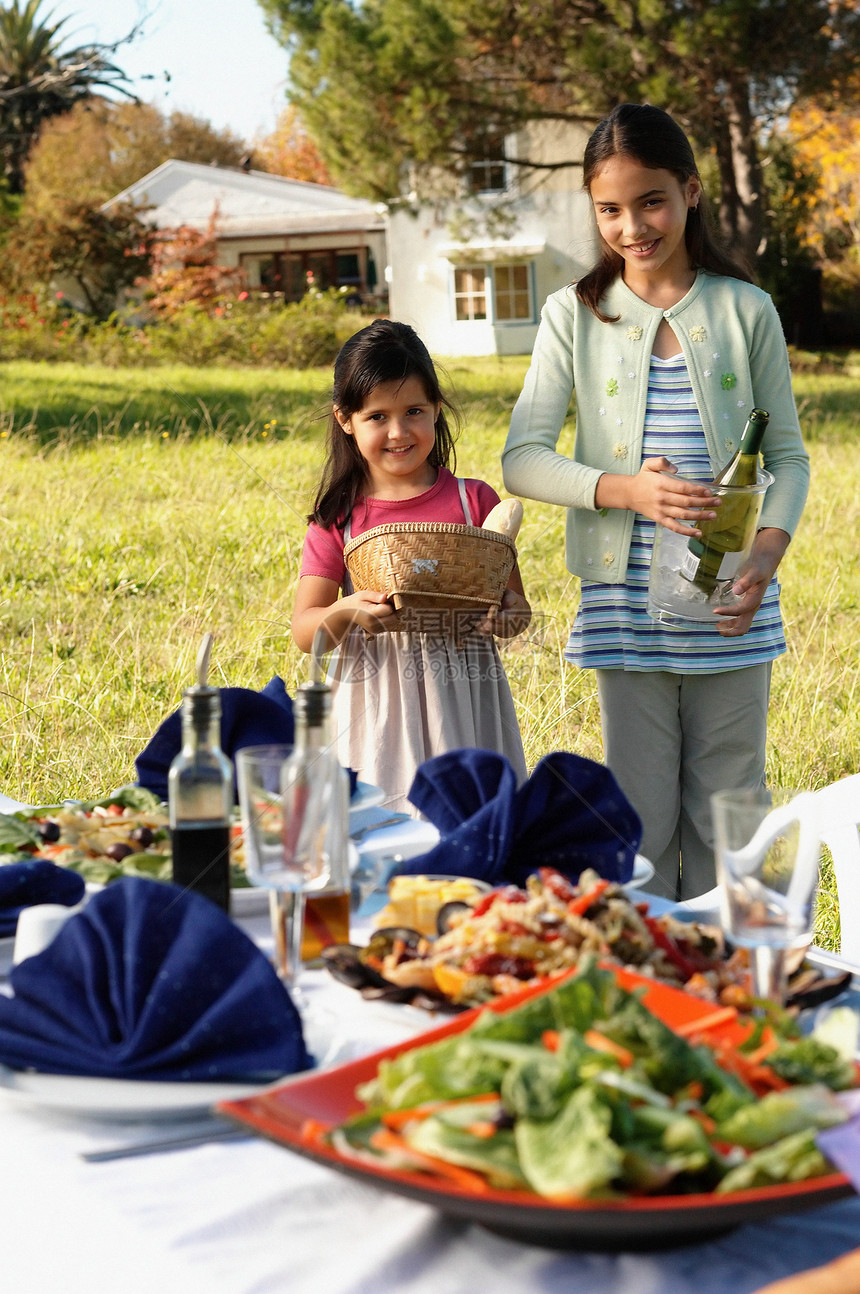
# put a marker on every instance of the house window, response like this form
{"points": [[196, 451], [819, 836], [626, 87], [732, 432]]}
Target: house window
{"points": [[487, 172], [291, 273], [502, 293], [512, 292], [470, 293]]}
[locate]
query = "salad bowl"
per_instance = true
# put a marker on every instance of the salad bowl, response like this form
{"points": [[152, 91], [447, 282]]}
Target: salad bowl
{"points": [[291, 1115]]}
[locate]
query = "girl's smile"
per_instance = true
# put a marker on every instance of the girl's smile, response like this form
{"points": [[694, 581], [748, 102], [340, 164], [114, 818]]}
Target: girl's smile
{"points": [[642, 215], [395, 432]]}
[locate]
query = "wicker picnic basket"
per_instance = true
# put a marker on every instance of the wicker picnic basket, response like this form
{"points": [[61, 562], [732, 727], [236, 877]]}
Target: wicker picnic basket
{"points": [[432, 565]]}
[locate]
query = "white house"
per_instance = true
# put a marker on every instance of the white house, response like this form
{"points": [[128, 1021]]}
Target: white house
{"points": [[481, 293], [470, 273], [278, 231]]}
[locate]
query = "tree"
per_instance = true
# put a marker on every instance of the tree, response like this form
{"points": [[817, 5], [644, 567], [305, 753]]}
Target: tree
{"points": [[395, 92], [103, 251], [39, 79], [290, 151], [99, 148], [185, 271], [828, 145]]}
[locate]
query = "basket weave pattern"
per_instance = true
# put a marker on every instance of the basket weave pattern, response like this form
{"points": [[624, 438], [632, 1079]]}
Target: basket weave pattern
{"points": [[432, 565]]}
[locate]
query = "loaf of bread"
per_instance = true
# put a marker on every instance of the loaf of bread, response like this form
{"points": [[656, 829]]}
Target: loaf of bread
{"points": [[505, 518]]}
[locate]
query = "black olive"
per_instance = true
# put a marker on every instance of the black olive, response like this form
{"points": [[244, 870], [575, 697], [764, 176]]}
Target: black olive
{"points": [[49, 831], [118, 851], [447, 910], [142, 836]]}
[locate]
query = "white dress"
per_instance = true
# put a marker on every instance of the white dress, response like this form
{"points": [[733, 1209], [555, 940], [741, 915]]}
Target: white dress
{"points": [[402, 697]]}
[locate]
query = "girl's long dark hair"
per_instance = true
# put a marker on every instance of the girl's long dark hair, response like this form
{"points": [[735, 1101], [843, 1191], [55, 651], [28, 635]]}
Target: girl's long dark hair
{"points": [[653, 139], [385, 351]]}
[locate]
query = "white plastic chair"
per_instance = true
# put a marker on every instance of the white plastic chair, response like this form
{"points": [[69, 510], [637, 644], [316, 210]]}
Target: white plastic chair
{"points": [[838, 811]]}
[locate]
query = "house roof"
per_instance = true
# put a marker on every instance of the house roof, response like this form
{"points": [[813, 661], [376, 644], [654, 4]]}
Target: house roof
{"points": [[247, 202]]}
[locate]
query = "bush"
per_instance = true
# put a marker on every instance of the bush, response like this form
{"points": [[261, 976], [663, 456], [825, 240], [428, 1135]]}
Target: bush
{"points": [[242, 333]]}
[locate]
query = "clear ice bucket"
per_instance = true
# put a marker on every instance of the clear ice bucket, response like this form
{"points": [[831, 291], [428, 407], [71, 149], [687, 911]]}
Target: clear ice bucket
{"points": [[675, 594]]}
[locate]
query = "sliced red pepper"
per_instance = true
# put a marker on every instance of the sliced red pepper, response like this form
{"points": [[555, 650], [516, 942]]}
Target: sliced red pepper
{"points": [[557, 884], [513, 928], [507, 894], [580, 905], [670, 948]]}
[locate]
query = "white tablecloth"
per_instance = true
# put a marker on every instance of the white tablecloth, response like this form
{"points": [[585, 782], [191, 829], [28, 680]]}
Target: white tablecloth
{"points": [[249, 1217]]}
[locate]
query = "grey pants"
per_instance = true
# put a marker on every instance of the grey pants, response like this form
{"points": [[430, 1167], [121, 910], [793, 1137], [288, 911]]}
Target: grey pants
{"points": [[672, 740]]}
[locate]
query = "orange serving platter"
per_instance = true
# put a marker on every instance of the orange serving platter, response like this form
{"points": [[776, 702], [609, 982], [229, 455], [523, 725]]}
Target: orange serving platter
{"points": [[635, 1222]]}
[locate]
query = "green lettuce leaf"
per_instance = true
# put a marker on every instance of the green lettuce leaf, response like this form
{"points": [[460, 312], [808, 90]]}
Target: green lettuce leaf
{"points": [[811, 1060], [442, 1070], [17, 833], [780, 1114], [572, 1155], [792, 1159], [446, 1136]]}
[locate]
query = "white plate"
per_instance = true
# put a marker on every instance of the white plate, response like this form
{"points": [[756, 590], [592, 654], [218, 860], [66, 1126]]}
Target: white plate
{"points": [[249, 901], [643, 870], [366, 796], [117, 1098]]}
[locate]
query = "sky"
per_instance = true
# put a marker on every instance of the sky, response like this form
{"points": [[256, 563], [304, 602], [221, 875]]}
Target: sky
{"points": [[222, 63]]}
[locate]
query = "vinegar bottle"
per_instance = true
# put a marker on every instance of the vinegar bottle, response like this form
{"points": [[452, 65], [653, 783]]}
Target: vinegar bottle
{"points": [[315, 764], [714, 557], [200, 799]]}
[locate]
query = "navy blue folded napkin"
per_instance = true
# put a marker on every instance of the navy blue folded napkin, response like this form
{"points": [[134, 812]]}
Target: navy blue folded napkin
{"points": [[35, 881], [149, 981], [248, 718], [570, 814]]}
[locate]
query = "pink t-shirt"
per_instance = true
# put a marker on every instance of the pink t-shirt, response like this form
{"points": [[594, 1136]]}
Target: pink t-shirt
{"points": [[323, 549]]}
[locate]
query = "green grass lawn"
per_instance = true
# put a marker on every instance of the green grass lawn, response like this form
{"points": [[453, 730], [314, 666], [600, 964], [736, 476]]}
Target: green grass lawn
{"points": [[141, 508]]}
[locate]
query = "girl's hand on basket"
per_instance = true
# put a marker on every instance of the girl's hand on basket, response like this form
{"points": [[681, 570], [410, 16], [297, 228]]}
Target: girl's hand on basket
{"points": [[318, 606], [512, 617], [366, 609], [751, 585], [656, 493]]}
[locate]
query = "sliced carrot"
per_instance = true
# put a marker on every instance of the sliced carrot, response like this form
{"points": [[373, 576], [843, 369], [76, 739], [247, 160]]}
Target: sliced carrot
{"points": [[767, 1077], [576, 907], [720, 1015], [600, 1042], [483, 1129], [704, 1120], [468, 1180], [760, 1077], [397, 1119], [314, 1130], [769, 1044], [551, 1039]]}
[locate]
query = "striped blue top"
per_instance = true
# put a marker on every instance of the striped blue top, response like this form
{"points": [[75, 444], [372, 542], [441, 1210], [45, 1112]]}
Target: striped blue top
{"points": [[612, 629]]}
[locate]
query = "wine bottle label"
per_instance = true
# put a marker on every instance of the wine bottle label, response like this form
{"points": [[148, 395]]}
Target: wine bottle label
{"points": [[689, 565], [730, 565]]}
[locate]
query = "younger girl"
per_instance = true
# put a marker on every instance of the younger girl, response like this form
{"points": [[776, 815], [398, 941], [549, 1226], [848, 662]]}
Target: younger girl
{"points": [[411, 693], [669, 347]]}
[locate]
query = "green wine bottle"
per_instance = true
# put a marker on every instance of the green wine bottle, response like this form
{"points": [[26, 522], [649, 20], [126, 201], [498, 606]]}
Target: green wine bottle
{"points": [[713, 557]]}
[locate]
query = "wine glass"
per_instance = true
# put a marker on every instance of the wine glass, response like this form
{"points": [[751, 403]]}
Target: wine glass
{"points": [[283, 823], [768, 851]]}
